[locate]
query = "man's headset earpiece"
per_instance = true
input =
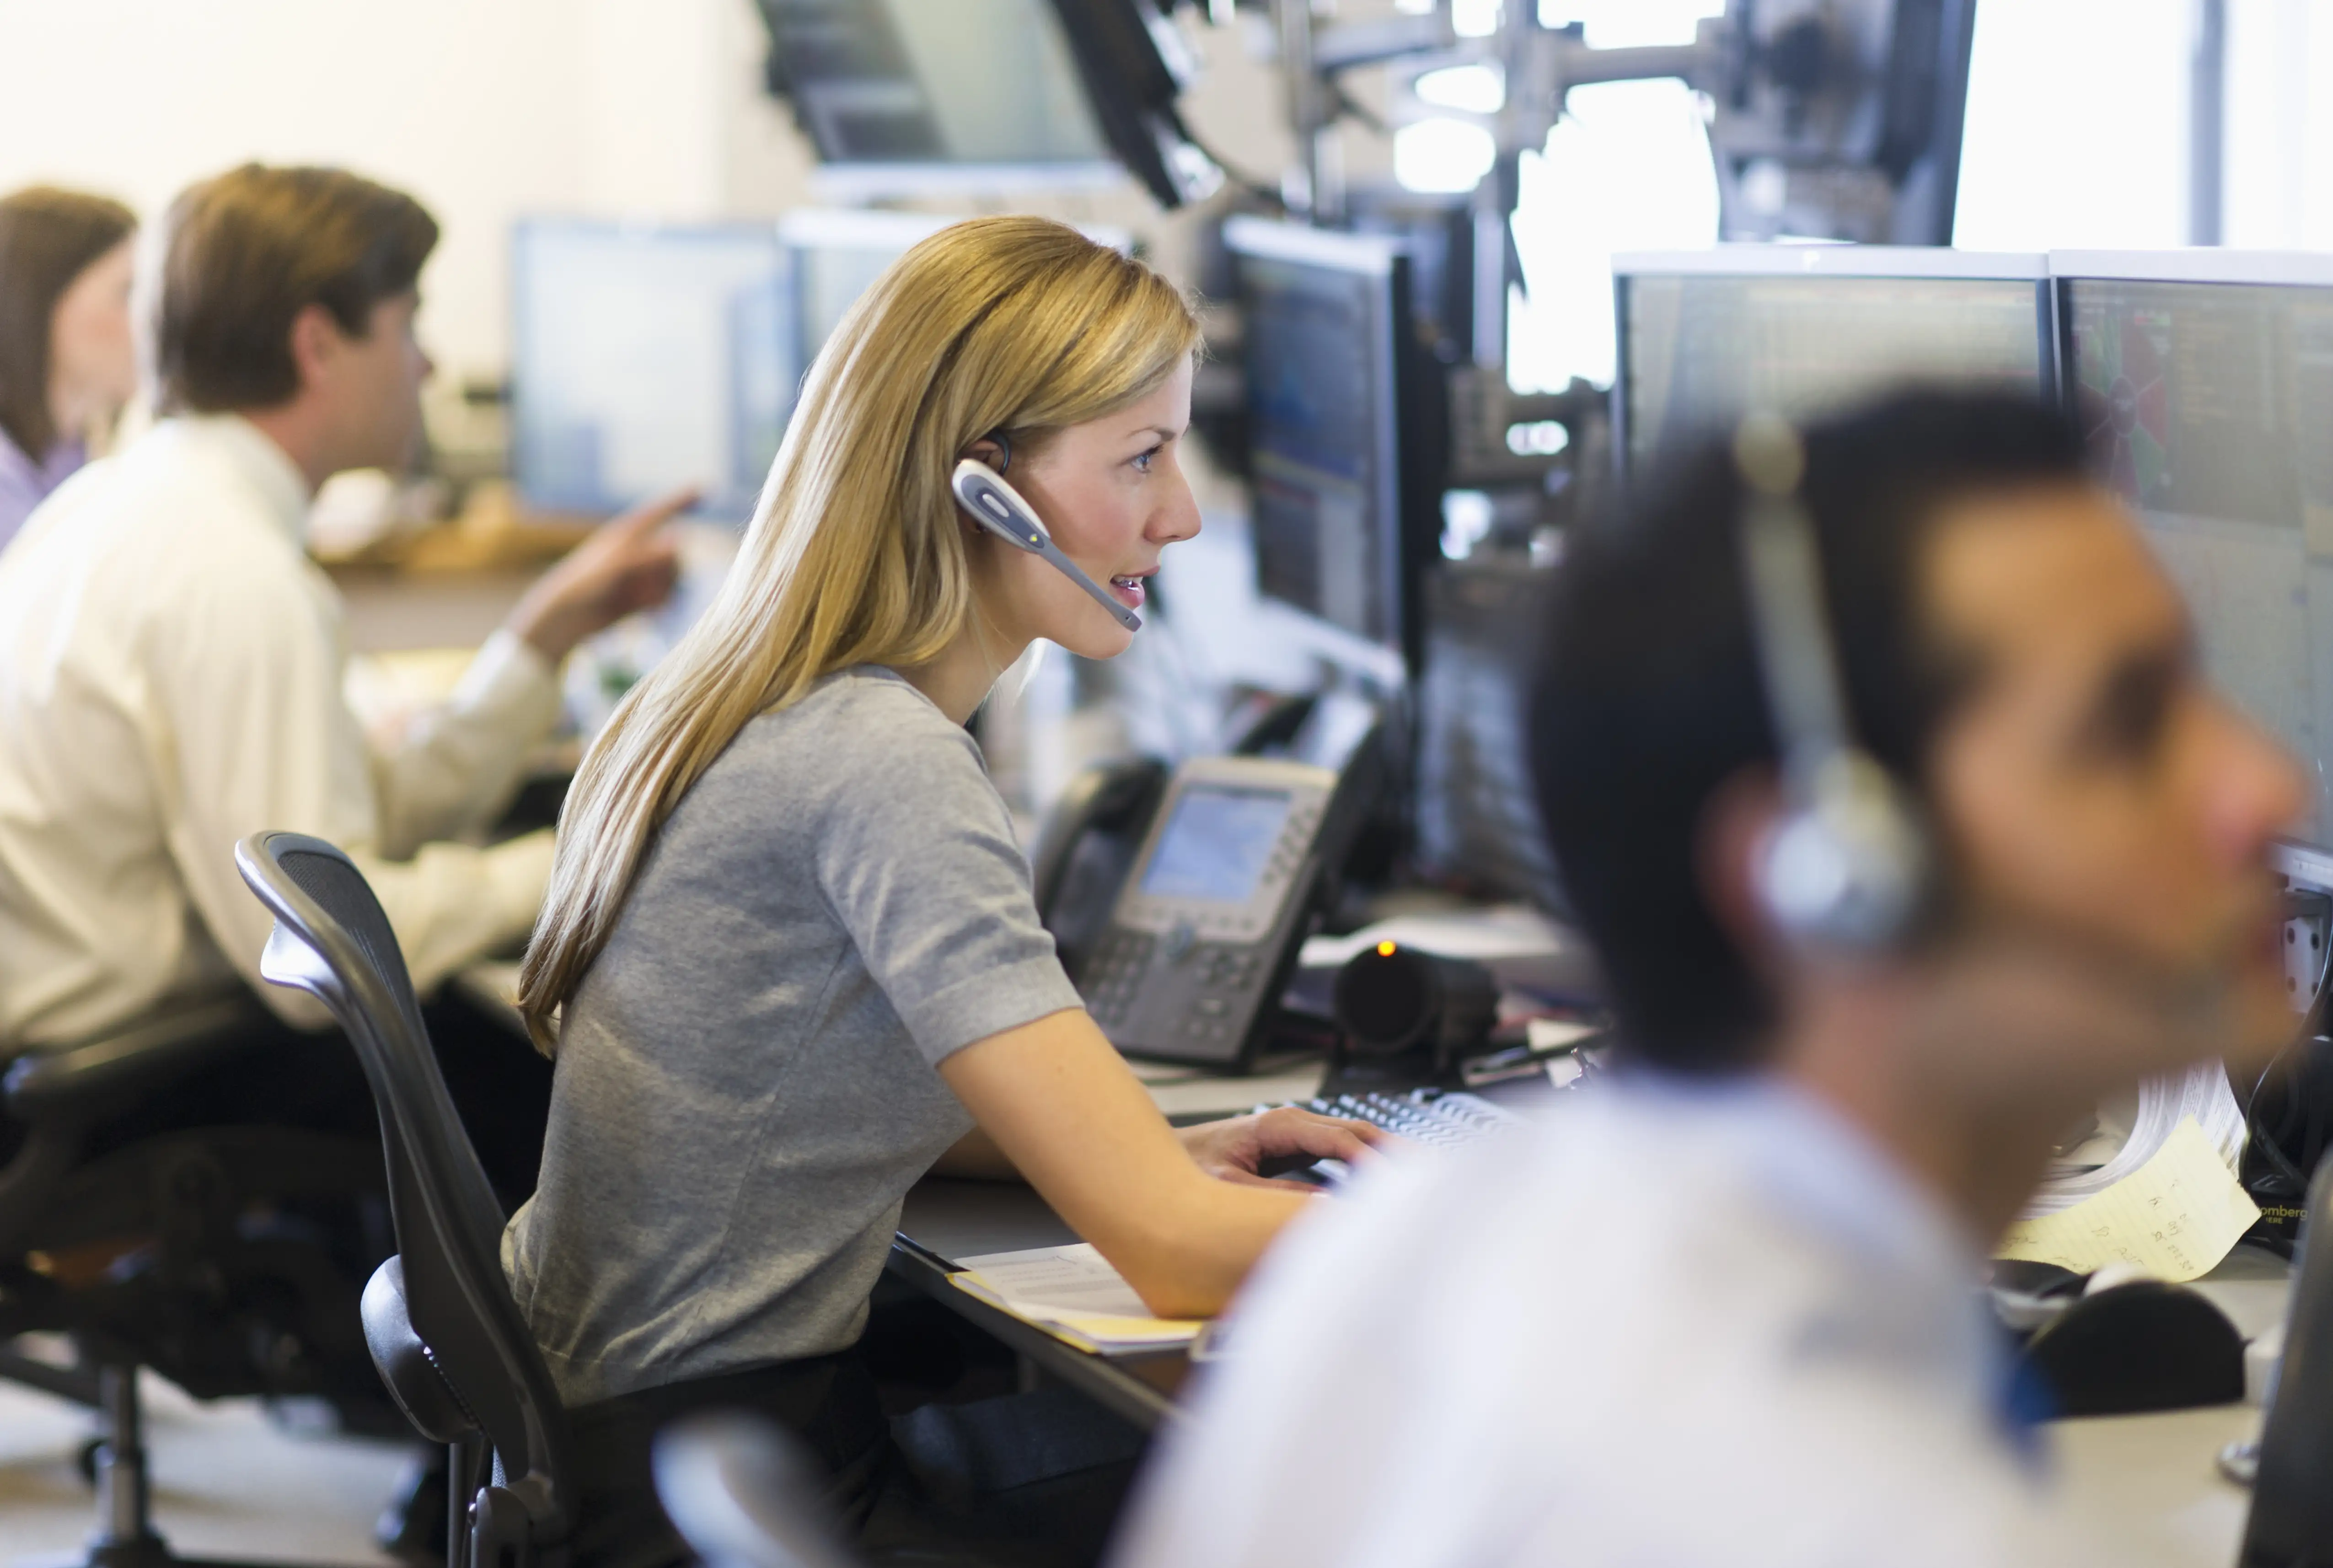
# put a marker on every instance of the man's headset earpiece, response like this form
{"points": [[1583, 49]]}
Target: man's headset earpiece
{"points": [[1001, 510], [1848, 868]]}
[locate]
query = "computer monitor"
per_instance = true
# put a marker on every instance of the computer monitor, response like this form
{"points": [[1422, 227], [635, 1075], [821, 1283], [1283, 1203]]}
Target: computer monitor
{"points": [[2204, 381], [833, 255], [647, 358], [1342, 430], [906, 95], [1705, 336], [1476, 815]]}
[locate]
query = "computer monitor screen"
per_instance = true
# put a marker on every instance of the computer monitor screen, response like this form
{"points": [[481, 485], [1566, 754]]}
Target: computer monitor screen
{"points": [[2208, 406], [1323, 315], [1701, 348], [835, 255], [1477, 808], [933, 81], [646, 359]]}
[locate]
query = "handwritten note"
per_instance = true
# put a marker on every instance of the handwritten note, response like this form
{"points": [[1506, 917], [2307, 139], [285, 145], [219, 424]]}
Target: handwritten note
{"points": [[2174, 1217]]}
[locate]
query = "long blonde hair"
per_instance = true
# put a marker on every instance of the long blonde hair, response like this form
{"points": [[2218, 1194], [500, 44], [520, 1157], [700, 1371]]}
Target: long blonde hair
{"points": [[855, 554]]}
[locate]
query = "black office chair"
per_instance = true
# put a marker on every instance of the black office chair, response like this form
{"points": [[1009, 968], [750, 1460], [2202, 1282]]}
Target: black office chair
{"points": [[443, 1330], [147, 1251]]}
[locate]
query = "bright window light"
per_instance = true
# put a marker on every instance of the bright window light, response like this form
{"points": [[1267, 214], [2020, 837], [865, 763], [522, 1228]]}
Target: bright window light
{"points": [[1472, 89], [1475, 18], [1466, 519], [1442, 155], [2089, 159], [1628, 168], [1631, 24]]}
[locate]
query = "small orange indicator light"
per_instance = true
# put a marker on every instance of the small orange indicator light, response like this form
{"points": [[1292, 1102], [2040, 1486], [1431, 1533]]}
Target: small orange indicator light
{"points": [[1385, 950]]}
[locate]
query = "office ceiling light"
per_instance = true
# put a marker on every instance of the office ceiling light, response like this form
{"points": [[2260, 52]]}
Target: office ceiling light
{"points": [[1469, 88], [1442, 155]]}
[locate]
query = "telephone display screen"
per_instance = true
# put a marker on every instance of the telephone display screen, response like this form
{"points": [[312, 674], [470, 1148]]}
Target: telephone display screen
{"points": [[1216, 844]]}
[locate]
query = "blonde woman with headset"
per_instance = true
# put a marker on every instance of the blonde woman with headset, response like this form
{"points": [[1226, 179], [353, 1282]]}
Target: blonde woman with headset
{"points": [[789, 960]]}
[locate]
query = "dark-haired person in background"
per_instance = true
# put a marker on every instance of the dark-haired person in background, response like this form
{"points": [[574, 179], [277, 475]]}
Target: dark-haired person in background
{"points": [[1721, 1308], [66, 364], [171, 662]]}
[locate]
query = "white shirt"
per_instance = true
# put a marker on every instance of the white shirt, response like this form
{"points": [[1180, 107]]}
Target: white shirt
{"points": [[1666, 1326], [171, 673]]}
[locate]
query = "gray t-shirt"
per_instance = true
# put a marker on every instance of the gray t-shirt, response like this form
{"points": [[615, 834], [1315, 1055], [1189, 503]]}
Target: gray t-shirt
{"points": [[745, 1084]]}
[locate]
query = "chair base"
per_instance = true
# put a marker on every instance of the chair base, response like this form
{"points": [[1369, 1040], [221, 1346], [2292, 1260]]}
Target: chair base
{"points": [[125, 1534], [152, 1552]]}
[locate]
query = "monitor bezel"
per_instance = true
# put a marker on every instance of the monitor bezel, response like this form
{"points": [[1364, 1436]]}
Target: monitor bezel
{"points": [[521, 334], [1916, 263], [1383, 260], [1838, 261], [2196, 264]]}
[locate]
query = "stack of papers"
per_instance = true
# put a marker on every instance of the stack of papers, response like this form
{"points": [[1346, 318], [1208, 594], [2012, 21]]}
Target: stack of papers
{"points": [[2201, 1094], [2174, 1218], [1072, 1294], [2166, 1202]]}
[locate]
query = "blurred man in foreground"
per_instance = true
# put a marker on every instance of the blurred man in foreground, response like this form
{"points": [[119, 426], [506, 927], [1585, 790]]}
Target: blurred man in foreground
{"points": [[1722, 1309], [171, 670]]}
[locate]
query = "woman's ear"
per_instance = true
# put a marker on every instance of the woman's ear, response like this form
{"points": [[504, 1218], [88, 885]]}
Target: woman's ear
{"points": [[993, 450], [1736, 822]]}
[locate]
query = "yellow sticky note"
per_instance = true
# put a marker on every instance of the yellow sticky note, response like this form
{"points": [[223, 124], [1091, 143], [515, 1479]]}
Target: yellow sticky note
{"points": [[2174, 1217]]}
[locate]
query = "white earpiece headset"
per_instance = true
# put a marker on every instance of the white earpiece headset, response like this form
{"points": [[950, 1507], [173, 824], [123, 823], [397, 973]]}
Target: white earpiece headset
{"points": [[1001, 510], [1848, 868]]}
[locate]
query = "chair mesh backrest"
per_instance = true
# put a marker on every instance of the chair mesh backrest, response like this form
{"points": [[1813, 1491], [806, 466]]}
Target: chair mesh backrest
{"points": [[448, 1222], [408, 1081]]}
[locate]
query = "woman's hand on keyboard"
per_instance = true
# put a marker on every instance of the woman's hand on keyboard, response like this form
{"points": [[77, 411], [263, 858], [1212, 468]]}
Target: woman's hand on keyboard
{"points": [[1235, 1148]]}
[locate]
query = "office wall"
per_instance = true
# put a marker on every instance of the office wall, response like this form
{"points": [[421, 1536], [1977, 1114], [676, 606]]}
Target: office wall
{"points": [[486, 109]]}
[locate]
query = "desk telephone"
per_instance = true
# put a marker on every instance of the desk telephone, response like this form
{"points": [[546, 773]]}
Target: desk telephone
{"points": [[1180, 901]]}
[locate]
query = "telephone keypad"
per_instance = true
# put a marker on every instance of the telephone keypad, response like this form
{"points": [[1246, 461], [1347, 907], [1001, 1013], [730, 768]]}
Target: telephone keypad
{"points": [[1114, 972]]}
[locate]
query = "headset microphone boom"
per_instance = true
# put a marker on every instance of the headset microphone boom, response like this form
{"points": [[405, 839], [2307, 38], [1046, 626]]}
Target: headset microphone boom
{"points": [[1000, 509]]}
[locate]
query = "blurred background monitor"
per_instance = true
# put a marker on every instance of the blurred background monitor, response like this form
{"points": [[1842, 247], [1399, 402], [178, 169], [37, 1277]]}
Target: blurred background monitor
{"points": [[1344, 507], [834, 256], [1707, 335], [2204, 381], [647, 358], [899, 96], [1477, 823]]}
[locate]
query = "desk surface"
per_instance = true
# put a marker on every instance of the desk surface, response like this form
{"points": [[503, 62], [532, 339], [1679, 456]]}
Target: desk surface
{"points": [[2158, 1473], [945, 1219]]}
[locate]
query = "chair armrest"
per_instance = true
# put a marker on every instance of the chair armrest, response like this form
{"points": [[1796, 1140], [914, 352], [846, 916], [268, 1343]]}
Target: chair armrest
{"points": [[91, 1079]]}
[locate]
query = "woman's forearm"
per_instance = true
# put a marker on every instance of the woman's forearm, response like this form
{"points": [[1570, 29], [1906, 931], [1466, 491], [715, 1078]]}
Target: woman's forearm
{"points": [[1060, 1104]]}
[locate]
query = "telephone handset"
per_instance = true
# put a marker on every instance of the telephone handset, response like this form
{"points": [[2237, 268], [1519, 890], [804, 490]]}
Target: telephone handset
{"points": [[1197, 948]]}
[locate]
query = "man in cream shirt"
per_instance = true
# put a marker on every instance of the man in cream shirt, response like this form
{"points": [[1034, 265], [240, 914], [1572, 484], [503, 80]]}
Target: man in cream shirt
{"points": [[171, 662]]}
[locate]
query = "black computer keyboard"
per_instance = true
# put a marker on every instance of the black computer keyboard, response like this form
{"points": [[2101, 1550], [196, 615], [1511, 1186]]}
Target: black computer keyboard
{"points": [[1435, 1117], [1422, 1115]]}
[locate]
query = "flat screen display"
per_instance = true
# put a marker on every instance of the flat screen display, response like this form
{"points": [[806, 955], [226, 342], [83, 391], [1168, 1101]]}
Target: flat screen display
{"points": [[2209, 407], [649, 358], [1320, 409], [1703, 350], [1216, 844]]}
